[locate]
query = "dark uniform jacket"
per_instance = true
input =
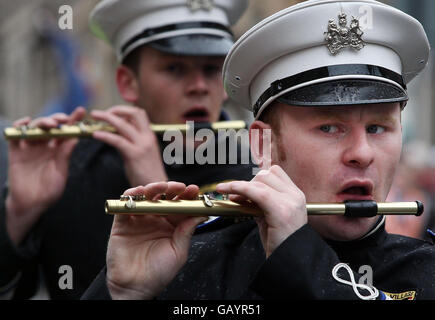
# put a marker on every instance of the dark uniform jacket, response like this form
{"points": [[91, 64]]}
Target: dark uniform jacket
{"points": [[229, 263], [73, 234]]}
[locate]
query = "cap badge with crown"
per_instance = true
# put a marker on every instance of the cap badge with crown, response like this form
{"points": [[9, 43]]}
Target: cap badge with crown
{"points": [[343, 36]]}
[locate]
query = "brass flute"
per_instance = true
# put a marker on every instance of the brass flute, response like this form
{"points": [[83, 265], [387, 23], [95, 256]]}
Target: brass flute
{"points": [[84, 129], [137, 205]]}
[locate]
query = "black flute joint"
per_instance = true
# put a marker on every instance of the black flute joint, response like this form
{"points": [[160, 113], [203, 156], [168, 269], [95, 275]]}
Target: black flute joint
{"points": [[368, 208], [365, 208]]}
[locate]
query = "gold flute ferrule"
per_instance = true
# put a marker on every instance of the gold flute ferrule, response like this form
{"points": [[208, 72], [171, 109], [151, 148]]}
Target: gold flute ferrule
{"points": [[208, 207], [85, 129]]}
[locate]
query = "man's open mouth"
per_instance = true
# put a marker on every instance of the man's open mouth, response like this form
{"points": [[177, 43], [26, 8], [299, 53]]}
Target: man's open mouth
{"points": [[198, 114], [356, 191]]}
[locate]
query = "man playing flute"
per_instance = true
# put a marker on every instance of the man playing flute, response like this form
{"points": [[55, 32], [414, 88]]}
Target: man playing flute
{"points": [[331, 91]]}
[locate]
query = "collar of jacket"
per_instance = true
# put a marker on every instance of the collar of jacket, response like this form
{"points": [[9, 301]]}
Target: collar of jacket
{"points": [[373, 237]]}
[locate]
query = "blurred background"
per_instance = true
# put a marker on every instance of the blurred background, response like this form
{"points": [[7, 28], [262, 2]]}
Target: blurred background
{"points": [[44, 69]]}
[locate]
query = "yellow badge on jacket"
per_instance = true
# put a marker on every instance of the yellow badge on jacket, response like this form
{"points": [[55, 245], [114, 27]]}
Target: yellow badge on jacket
{"points": [[407, 295]]}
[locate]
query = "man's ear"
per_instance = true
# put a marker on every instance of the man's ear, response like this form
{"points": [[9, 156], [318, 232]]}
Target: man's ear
{"points": [[225, 95], [260, 140], [128, 84]]}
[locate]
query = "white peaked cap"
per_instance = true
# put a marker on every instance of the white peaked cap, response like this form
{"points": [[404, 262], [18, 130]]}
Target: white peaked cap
{"points": [[303, 56], [197, 27]]}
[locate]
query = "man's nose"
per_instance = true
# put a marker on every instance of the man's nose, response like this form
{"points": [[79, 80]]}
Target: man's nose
{"points": [[359, 152], [197, 82]]}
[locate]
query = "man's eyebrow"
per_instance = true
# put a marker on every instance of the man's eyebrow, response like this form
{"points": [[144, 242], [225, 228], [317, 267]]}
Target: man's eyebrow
{"points": [[386, 120], [332, 115]]}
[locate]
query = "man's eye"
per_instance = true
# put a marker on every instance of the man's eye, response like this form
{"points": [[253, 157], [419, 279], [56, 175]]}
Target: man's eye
{"points": [[329, 128], [175, 68], [375, 129], [211, 70]]}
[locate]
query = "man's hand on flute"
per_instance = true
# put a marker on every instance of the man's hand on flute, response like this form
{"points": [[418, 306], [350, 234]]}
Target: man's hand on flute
{"points": [[281, 200], [37, 173], [135, 141], [146, 252]]}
